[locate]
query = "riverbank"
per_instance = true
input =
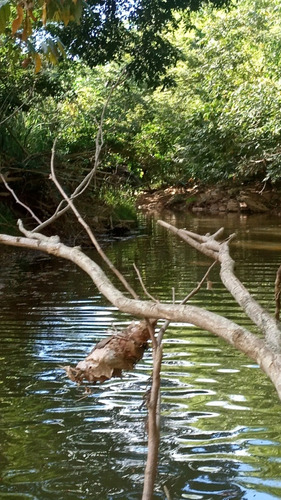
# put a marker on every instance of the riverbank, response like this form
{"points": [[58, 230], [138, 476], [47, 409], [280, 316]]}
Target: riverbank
{"points": [[119, 219], [252, 198]]}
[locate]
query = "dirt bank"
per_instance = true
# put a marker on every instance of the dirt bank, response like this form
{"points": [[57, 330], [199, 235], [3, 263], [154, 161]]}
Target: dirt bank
{"points": [[255, 198]]}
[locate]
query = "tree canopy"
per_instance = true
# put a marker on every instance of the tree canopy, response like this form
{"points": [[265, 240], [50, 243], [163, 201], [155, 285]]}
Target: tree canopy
{"points": [[219, 121], [97, 31]]}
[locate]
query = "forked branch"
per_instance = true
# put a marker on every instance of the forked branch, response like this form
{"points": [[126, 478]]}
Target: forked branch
{"points": [[208, 245], [248, 343], [99, 141]]}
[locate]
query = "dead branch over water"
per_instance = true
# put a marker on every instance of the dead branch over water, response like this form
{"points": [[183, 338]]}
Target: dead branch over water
{"points": [[122, 350]]}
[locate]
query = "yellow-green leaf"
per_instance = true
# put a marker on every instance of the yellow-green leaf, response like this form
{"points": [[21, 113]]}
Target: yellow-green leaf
{"points": [[52, 58], [38, 63], [65, 15], [27, 30], [4, 15], [44, 13]]}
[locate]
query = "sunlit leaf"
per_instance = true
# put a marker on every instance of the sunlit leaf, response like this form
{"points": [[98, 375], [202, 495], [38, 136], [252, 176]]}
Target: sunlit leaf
{"points": [[18, 21], [53, 58], [77, 12], [27, 30], [44, 13], [61, 48], [65, 15], [38, 63]]}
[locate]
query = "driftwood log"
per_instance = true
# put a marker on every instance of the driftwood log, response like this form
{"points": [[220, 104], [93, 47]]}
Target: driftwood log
{"points": [[121, 351]]}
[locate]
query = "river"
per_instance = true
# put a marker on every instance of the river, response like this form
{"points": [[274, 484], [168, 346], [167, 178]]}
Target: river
{"points": [[221, 417]]}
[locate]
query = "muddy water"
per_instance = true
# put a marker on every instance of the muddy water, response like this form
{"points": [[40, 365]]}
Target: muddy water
{"points": [[221, 423]]}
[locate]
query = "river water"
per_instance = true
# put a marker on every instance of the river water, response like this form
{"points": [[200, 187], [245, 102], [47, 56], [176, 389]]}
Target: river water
{"points": [[221, 417]]}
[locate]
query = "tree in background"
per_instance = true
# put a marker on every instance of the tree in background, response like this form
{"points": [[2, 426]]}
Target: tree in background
{"points": [[40, 102], [215, 116], [97, 31]]}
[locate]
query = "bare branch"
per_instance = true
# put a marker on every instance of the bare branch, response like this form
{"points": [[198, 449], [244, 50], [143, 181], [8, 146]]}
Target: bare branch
{"points": [[277, 293], [17, 199], [88, 229], [153, 427], [37, 236], [220, 252], [99, 141], [167, 493], [143, 285], [240, 337], [155, 401], [191, 239]]}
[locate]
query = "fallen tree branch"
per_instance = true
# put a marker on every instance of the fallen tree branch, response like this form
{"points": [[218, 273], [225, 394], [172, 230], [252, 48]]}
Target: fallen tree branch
{"points": [[220, 251], [245, 341]]}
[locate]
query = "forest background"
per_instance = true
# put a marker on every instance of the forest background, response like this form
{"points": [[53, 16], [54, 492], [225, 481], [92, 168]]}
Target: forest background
{"points": [[199, 103]]}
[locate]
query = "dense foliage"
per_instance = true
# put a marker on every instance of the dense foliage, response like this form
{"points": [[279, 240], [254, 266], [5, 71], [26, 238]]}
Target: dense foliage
{"points": [[97, 31], [218, 120], [221, 121]]}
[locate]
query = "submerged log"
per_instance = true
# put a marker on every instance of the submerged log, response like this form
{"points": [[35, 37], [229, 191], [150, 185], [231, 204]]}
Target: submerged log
{"points": [[121, 351]]}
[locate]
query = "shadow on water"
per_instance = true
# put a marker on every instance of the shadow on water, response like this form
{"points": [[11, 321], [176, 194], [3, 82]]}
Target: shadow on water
{"points": [[220, 415]]}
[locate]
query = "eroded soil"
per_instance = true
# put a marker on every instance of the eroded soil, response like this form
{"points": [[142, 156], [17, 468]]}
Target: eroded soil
{"points": [[255, 198]]}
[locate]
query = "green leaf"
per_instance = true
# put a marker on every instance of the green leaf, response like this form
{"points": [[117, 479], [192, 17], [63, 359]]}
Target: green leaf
{"points": [[77, 11], [4, 14]]}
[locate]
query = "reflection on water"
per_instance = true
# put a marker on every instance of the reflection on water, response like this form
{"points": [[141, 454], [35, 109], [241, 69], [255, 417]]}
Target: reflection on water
{"points": [[220, 415]]}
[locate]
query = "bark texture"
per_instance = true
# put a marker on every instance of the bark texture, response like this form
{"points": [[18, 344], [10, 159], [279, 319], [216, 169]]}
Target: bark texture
{"points": [[264, 352], [121, 351], [219, 250]]}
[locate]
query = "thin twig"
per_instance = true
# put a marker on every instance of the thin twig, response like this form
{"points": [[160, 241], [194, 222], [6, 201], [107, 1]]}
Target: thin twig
{"points": [[185, 300], [19, 107], [87, 228], [143, 285], [17, 199], [99, 141]]}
